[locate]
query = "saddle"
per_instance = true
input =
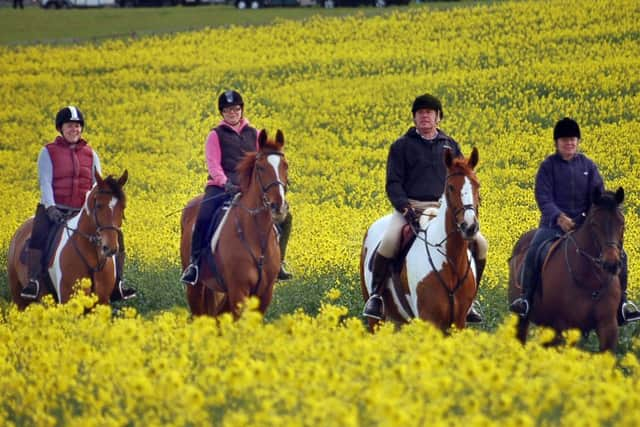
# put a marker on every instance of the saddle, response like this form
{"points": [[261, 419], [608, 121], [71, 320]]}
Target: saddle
{"points": [[543, 251], [51, 243], [211, 237]]}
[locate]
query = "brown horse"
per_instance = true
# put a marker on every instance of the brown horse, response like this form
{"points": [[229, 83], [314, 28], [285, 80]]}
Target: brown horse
{"points": [[85, 246], [436, 280], [579, 287], [247, 255]]}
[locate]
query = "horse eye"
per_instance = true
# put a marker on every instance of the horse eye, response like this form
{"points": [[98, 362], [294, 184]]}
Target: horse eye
{"points": [[450, 188]]}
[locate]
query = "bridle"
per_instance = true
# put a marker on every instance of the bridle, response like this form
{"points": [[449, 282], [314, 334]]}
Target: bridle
{"points": [[464, 208], [596, 261], [94, 238], [266, 204]]}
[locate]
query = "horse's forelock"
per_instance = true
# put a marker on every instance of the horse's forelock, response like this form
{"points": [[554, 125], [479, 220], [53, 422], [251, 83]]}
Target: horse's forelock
{"points": [[607, 200], [460, 166], [115, 188]]}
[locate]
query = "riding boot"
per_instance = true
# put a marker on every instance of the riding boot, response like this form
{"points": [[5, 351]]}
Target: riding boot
{"points": [[374, 307], [121, 292], [473, 315], [285, 231], [191, 273], [628, 310], [522, 304], [32, 290]]}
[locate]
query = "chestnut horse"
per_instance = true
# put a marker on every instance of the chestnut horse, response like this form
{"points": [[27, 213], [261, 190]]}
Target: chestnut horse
{"points": [[247, 255], [579, 287], [436, 281], [85, 247]]}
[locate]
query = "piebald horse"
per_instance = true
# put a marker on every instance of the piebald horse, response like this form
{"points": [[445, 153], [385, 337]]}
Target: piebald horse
{"points": [[85, 247], [436, 280]]}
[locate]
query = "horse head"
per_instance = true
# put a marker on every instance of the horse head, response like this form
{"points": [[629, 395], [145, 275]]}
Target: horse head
{"points": [[462, 192], [606, 224], [268, 168], [104, 205]]}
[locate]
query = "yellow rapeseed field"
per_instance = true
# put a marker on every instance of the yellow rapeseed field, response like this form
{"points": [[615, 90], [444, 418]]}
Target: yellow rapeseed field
{"points": [[341, 90]]}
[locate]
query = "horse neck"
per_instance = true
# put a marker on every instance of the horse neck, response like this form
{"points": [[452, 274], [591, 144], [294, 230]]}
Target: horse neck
{"points": [[583, 238], [252, 212], [456, 245]]}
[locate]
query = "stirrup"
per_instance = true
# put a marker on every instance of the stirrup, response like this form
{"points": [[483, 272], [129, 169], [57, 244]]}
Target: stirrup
{"points": [[184, 277], [122, 292], [369, 312], [31, 296], [633, 316], [526, 306]]}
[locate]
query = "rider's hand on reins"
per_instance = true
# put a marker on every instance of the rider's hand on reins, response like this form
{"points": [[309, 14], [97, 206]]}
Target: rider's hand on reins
{"points": [[565, 223], [411, 217], [231, 188], [55, 215]]}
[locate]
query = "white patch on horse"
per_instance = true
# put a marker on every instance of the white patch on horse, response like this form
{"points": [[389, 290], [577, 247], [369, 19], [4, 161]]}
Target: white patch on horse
{"points": [[417, 261], [274, 161], [55, 271], [112, 203], [466, 194]]}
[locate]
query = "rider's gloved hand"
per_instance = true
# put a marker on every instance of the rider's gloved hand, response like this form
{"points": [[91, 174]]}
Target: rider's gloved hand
{"points": [[55, 215], [565, 223], [231, 188], [412, 217]]}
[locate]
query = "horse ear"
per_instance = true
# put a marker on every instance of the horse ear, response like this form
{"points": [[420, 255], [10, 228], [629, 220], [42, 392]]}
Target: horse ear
{"points": [[280, 138], [620, 195], [123, 179], [448, 158], [262, 138], [473, 160]]}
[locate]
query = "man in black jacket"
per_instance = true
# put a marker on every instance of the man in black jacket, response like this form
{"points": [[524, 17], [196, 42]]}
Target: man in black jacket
{"points": [[416, 176]]}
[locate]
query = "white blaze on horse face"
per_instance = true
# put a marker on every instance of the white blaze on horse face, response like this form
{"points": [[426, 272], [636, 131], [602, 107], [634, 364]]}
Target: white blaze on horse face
{"points": [[466, 194], [274, 161], [112, 203]]}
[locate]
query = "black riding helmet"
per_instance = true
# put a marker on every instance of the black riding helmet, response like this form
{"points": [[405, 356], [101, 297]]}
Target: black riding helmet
{"points": [[566, 128], [427, 101], [69, 114], [229, 98]]}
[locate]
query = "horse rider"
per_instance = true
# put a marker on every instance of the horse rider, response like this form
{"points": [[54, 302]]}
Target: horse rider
{"points": [[563, 188], [416, 176], [226, 145], [66, 172]]}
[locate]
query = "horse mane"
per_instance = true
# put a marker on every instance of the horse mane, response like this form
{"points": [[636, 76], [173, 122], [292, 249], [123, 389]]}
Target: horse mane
{"points": [[245, 166], [115, 188]]}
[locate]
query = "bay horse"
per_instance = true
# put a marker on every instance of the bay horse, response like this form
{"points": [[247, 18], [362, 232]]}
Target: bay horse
{"points": [[85, 247], [579, 286], [246, 256], [436, 280]]}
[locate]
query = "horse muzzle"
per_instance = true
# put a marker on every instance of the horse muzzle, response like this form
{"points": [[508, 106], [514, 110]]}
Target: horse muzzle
{"points": [[279, 211], [469, 231]]}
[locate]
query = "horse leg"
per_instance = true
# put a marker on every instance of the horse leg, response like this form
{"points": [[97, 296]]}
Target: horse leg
{"points": [[557, 340], [608, 335], [196, 298]]}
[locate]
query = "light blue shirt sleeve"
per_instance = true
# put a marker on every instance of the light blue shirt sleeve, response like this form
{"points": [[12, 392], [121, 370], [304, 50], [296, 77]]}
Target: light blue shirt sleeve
{"points": [[45, 178], [96, 166]]}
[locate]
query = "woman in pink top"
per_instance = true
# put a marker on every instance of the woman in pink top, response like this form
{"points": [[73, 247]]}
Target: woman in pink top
{"points": [[226, 145]]}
